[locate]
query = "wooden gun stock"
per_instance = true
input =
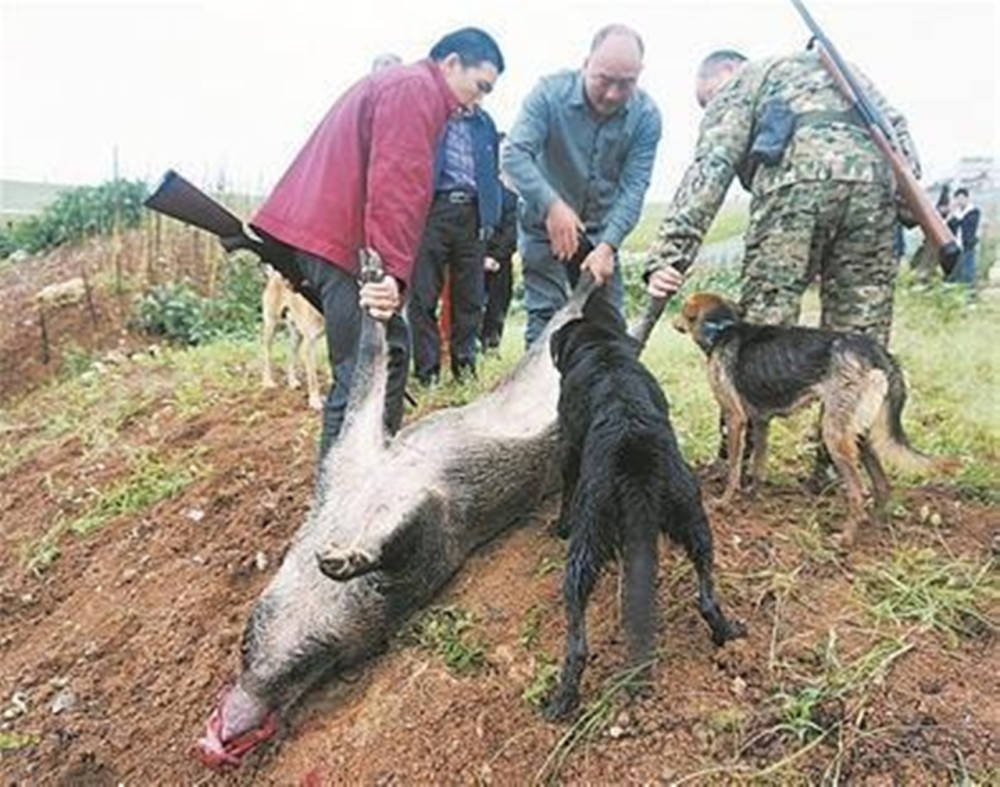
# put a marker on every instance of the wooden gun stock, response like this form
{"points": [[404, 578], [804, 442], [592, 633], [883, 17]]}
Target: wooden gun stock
{"points": [[923, 211]]}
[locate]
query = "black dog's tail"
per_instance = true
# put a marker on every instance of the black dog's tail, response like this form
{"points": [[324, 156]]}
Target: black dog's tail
{"points": [[640, 492]]}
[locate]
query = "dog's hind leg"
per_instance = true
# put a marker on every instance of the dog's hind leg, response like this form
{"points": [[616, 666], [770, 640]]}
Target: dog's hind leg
{"points": [[842, 444], [583, 565], [267, 339], [872, 465], [689, 527], [312, 376], [700, 553], [569, 465], [295, 335], [758, 454]]}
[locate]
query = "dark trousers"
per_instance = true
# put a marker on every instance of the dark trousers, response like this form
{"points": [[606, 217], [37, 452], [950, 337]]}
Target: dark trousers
{"points": [[450, 242], [499, 286], [338, 293]]}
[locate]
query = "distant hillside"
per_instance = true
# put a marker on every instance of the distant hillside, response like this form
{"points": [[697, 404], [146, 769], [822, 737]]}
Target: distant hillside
{"points": [[20, 198]]}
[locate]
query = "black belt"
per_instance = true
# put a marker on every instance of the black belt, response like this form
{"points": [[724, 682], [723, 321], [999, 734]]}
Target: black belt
{"points": [[456, 197]]}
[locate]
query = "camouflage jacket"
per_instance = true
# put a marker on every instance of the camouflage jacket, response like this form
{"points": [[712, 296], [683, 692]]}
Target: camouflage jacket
{"points": [[834, 150]]}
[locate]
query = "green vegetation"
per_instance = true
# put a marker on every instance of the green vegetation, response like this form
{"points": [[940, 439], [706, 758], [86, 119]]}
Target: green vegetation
{"points": [[149, 482], [593, 719], [12, 741], [951, 595], [447, 633], [78, 213], [176, 311], [730, 221]]}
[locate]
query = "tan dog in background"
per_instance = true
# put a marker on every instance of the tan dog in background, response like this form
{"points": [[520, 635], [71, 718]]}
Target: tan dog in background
{"points": [[760, 371], [303, 321]]}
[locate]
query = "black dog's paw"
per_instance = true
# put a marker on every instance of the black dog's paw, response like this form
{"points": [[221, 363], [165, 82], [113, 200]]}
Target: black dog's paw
{"points": [[561, 705], [561, 527], [731, 629]]}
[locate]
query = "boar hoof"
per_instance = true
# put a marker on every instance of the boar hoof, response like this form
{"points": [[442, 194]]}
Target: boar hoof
{"points": [[341, 563]]}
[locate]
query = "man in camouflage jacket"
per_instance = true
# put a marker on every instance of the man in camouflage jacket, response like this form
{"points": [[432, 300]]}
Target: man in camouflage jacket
{"points": [[822, 200], [825, 208]]}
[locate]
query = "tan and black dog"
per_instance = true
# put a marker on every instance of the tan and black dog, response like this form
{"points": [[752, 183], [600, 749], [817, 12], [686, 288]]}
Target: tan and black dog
{"points": [[759, 371], [304, 322]]}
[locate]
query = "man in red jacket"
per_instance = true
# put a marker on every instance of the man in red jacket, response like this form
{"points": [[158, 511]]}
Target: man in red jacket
{"points": [[364, 179]]}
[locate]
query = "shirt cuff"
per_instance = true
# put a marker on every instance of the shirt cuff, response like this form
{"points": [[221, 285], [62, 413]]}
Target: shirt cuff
{"points": [[613, 235]]}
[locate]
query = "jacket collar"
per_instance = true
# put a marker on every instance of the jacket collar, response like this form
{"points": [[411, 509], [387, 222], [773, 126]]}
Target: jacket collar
{"points": [[451, 103]]}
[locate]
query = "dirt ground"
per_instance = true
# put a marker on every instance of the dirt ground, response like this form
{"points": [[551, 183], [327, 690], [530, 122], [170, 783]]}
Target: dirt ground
{"points": [[113, 657]]}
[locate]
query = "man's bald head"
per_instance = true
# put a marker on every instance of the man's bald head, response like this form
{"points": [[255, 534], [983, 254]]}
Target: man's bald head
{"points": [[612, 68], [714, 71]]}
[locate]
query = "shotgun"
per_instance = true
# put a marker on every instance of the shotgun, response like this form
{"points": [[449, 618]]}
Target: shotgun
{"points": [[180, 199], [884, 136]]}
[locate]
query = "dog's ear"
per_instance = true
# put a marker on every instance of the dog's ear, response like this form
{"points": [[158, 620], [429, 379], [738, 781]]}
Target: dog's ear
{"points": [[561, 343]]}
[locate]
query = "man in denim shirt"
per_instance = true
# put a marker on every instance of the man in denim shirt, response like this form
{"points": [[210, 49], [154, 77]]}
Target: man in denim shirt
{"points": [[580, 156]]}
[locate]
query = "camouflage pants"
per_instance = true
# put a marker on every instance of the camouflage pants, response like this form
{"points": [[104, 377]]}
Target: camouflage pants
{"points": [[841, 232]]}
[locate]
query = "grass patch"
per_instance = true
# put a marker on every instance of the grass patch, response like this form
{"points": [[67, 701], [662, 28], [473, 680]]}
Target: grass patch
{"points": [[814, 706], [12, 741], [447, 633], [531, 627], [592, 721], [150, 481], [731, 220], [544, 675], [94, 407], [921, 586]]}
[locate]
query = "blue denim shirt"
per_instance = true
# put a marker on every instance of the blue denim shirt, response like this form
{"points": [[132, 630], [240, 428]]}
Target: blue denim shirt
{"points": [[600, 166]]}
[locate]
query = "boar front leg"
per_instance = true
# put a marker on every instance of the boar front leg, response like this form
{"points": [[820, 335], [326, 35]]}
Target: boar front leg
{"points": [[387, 544]]}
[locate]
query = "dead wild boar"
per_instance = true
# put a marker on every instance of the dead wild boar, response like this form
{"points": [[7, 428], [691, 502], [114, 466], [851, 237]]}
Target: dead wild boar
{"points": [[392, 522]]}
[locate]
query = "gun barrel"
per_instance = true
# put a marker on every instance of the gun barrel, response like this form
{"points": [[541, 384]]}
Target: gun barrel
{"points": [[182, 200]]}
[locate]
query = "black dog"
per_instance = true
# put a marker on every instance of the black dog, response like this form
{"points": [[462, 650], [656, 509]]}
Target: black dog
{"points": [[624, 482]]}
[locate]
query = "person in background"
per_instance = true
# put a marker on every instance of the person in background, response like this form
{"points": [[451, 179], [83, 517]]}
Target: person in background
{"points": [[464, 214], [499, 267], [964, 223]]}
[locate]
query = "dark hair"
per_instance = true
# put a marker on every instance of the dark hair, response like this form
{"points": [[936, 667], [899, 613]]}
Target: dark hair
{"points": [[608, 30], [719, 57], [472, 45], [962, 190]]}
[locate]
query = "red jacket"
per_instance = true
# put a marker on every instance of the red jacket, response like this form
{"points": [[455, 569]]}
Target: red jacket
{"points": [[364, 177]]}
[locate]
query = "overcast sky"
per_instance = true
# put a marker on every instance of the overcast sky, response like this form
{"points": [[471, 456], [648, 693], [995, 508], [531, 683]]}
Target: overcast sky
{"points": [[235, 87]]}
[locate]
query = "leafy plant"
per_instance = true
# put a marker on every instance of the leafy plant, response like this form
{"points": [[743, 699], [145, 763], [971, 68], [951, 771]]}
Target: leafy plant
{"points": [[76, 214], [445, 631]]}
